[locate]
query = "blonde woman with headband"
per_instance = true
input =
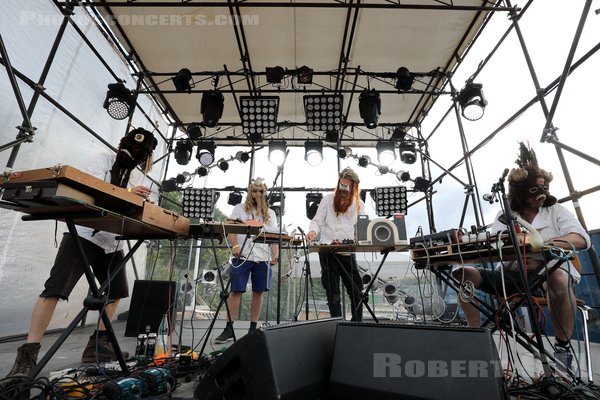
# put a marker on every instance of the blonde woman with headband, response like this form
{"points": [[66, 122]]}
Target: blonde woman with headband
{"points": [[250, 260]]}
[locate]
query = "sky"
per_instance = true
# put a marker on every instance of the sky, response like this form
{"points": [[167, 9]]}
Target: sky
{"points": [[548, 29]]}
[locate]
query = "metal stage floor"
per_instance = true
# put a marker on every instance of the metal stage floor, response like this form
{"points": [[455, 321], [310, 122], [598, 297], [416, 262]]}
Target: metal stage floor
{"points": [[69, 354]]}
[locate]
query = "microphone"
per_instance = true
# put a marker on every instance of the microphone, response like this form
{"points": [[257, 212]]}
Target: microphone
{"points": [[301, 231], [489, 198], [504, 174]]}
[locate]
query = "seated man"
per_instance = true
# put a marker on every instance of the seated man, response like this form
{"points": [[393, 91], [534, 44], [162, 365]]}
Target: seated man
{"points": [[529, 199]]}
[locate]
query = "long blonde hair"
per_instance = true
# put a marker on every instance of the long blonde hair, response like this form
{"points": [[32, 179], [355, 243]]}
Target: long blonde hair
{"points": [[261, 206]]}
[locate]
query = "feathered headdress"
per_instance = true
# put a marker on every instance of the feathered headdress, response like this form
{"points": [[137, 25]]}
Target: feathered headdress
{"points": [[521, 179]]}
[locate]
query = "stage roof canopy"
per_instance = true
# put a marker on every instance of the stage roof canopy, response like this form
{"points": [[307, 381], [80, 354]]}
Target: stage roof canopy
{"points": [[349, 46]]}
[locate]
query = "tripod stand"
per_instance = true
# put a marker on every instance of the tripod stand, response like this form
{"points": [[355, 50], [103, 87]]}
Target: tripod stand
{"points": [[308, 274], [224, 295]]}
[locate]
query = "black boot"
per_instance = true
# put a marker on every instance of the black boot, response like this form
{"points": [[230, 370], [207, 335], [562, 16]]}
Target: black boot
{"points": [[226, 335], [26, 359], [104, 347]]}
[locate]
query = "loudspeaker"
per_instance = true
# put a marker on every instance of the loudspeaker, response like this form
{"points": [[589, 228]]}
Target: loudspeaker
{"points": [[149, 303], [284, 362], [393, 361]]}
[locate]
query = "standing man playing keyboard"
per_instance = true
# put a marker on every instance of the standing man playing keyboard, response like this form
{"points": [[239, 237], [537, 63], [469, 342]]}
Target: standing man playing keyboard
{"points": [[336, 220], [102, 251]]}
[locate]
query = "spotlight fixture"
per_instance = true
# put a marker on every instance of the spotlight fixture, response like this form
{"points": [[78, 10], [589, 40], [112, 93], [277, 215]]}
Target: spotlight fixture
{"points": [[211, 107], [242, 156], [344, 152], [386, 152], [182, 80], [390, 200], [277, 152], [234, 198], [312, 204], [194, 131], [183, 178], [206, 152], [305, 75], [399, 134], [403, 176], [259, 116], [223, 165], [276, 201], [169, 185], [369, 105], [404, 80], [364, 161], [472, 101], [202, 171], [421, 184], [183, 152], [198, 203], [383, 169], [120, 101], [324, 114], [274, 74], [331, 136], [313, 152], [408, 152]]}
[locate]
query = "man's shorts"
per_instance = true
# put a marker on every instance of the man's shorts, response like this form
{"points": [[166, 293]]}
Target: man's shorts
{"points": [[241, 270], [67, 270], [491, 282]]}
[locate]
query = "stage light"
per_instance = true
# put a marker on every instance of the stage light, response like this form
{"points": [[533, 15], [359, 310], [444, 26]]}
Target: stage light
{"points": [[421, 184], [274, 74], [332, 136], [369, 105], [472, 101], [206, 152], [277, 152], [198, 203], [403, 176], [398, 135], [312, 204], [364, 161], [344, 152], [182, 80], [202, 171], [242, 156], [234, 198], [386, 152], [324, 114], [182, 178], [223, 165], [390, 200], [194, 131], [276, 201], [305, 75], [259, 116], [183, 152], [169, 185], [313, 152], [390, 293], [383, 169], [404, 80], [211, 107], [408, 153], [120, 101]]}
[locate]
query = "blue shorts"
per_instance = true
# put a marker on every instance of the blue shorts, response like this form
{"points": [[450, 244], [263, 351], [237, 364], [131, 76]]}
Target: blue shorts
{"points": [[240, 271]]}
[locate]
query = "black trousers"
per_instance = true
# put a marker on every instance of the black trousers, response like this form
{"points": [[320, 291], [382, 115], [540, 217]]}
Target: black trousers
{"points": [[334, 267]]}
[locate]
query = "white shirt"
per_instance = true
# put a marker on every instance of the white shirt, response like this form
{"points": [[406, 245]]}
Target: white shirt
{"points": [[334, 227], [254, 251], [100, 166], [551, 222]]}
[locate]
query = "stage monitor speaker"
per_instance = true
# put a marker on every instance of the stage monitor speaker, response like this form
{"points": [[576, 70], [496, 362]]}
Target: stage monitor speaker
{"points": [[149, 303], [393, 361], [284, 362]]}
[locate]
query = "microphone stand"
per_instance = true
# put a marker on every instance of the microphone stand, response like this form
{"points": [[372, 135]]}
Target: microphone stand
{"points": [[306, 268], [499, 189]]}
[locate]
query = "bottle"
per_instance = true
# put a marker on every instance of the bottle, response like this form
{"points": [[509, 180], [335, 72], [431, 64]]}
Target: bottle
{"points": [[151, 345], [140, 347]]}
